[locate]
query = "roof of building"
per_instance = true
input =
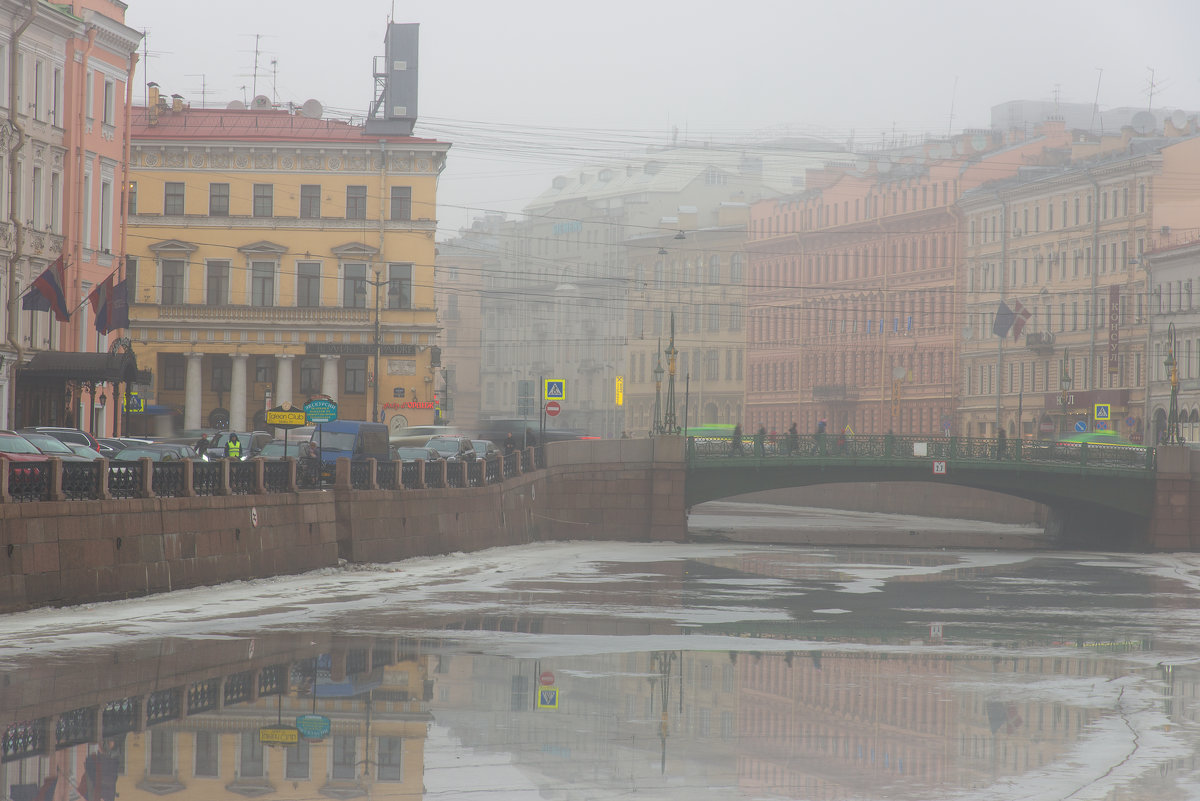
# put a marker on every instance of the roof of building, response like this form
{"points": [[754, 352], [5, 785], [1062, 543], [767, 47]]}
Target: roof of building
{"points": [[254, 125]]}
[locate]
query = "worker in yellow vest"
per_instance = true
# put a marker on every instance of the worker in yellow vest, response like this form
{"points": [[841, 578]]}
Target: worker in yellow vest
{"points": [[233, 448]]}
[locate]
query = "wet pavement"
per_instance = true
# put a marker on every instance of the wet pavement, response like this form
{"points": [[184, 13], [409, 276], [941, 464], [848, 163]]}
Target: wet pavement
{"points": [[614, 670]]}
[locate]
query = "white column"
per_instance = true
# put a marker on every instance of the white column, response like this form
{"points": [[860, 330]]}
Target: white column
{"points": [[237, 394], [283, 378], [329, 376], [192, 388]]}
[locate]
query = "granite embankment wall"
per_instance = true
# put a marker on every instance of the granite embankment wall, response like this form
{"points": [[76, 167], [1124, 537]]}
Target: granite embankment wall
{"points": [[71, 552]]}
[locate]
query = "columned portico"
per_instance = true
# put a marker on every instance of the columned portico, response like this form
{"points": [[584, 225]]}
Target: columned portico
{"points": [[329, 376], [237, 393], [283, 377], [191, 391]]}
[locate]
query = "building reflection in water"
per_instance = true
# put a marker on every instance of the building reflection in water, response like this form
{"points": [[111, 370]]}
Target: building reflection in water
{"points": [[186, 719]]}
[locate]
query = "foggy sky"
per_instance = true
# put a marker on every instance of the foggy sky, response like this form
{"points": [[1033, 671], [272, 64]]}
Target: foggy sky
{"points": [[531, 88]]}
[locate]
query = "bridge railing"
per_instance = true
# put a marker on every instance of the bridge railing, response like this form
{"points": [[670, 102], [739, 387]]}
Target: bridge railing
{"points": [[54, 479], [901, 447]]}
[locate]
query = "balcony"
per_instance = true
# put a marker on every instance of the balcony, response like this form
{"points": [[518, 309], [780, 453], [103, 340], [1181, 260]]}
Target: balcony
{"points": [[266, 315], [834, 392]]}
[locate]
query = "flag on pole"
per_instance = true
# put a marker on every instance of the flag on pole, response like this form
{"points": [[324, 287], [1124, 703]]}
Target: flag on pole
{"points": [[1004, 320], [46, 293], [1021, 316]]}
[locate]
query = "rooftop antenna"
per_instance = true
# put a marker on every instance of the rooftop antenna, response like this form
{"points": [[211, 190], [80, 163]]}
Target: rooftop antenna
{"points": [[244, 98], [1150, 103], [145, 67], [274, 75], [1096, 102], [953, 95], [254, 80], [203, 88]]}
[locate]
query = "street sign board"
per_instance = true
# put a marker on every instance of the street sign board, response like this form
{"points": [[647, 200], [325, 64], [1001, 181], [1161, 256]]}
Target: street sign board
{"points": [[320, 410], [1046, 427], [553, 408], [546, 679], [279, 735], [555, 389], [547, 698], [619, 390], [939, 467], [313, 727], [1103, 411], [134, 402], [397, 392], [1080, 426], [286, 416]]}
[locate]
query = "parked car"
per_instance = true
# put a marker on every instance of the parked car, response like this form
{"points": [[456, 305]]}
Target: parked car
{"points": [[84, 451], [279, 449], [52, 446], [419, 435], [453, 449], [486, 449], [18, 449], [252, 442], [66, 434], [410, 453], [158, 452]]}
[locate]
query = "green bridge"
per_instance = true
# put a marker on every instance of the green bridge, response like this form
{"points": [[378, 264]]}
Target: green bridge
{"points": [[1099, 495]]}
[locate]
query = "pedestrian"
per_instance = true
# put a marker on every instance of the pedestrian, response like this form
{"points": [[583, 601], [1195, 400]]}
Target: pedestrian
{"points": [[1001, 444], [793, 440], [530, 439], [760, 437], [735, 445], [202, 447], [233, 448], [624, 435], [510, 444], [821, 437]]}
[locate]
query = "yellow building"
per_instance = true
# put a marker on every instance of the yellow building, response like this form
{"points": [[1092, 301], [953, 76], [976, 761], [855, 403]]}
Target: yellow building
{"points": [[277, 256]]}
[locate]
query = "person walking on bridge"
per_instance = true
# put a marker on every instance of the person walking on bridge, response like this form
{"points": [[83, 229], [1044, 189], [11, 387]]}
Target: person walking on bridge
{"points": [[233, 448]]}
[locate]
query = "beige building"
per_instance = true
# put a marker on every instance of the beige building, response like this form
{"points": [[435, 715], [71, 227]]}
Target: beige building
{"points": [[1062, 248]]}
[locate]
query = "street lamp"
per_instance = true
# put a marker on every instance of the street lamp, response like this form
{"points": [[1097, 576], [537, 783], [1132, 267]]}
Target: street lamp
{"points": [[377, 283], [1064, 384], [1172, 436], [658, 374]]}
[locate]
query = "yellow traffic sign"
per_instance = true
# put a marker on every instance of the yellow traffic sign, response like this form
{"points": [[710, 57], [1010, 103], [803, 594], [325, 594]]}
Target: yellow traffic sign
{"points": [[1103, 411], [555, 389], [619, 390], [547, 698]]}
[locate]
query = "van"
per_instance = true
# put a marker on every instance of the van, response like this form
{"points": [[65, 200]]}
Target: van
{"points": [[353, 439], [412, 436]]}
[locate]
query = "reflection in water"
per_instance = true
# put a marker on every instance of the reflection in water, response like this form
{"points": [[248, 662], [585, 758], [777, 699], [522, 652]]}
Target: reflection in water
{"points": [[815, 705]]}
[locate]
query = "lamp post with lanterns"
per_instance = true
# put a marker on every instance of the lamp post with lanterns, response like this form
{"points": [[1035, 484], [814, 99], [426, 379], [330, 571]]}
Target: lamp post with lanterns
{"points": [[376, 282]]}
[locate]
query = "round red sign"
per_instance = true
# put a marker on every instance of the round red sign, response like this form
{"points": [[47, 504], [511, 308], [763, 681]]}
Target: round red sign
{"points": [[552, 408], [547, 678]]}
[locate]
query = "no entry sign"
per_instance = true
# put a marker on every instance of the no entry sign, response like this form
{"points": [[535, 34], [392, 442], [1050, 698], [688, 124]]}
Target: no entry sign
{"points": [[553, 408]]}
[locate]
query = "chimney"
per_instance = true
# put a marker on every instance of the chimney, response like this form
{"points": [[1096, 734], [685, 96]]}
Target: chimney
{"points": [[176, 103], [152, 103]]}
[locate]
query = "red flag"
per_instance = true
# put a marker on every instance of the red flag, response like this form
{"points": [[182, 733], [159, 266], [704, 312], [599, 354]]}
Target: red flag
{"points": [[1021, 315]]}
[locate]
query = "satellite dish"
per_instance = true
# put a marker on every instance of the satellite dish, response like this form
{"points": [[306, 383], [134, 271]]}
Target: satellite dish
{"points": [[260, 102], [236, 105], [1178, 118], [1144, 122], [312, 109]]}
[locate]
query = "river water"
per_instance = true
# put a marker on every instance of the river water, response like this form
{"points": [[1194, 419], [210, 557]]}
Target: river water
{"points": [[709, 670]]}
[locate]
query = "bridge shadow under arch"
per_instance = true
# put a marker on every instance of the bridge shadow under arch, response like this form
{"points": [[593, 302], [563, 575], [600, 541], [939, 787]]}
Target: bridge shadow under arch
{"points": [[1089, 509]]}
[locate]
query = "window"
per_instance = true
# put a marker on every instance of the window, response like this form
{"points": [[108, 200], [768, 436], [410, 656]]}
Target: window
{"points": [[296, 761], [401, 202], [38, 205], [131, 264], [262, 283], [109, 110], [251, 764], [173, 198], [173, 281], [712, 364], [55, 203], [264, 200], [106, 216], [207, 748], [390, 761], [310, 376], [714, 317], [264, 369], [310, 201], [399, 286], [172, 371], [354, 286], [162, 752], [56, 97], [308, 284], [218, 200], [356, 203], [343, 757], [132, 198], [217, 283], [356, 376], [222, 373]]}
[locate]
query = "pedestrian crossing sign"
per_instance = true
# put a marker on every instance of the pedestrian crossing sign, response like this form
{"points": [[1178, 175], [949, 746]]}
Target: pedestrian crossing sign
{"points": [[1103, 411], [547, 698], [848, 431], [556, 389]]}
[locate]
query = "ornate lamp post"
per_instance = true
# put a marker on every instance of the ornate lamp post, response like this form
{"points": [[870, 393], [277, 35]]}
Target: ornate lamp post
{"points": [[658, 374], [1172, 436], [670, 424], [1064, 385], [377, 282]]}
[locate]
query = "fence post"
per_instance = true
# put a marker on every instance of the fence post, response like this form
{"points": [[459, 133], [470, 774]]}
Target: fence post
{"points": [[147, 476], [223, 477], [189, 488], [341, 473], [102, 493], [260, 483], [1083, 454], [56, 471], [954, 447], [292, 485], [4, 474], [372, 474]]}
